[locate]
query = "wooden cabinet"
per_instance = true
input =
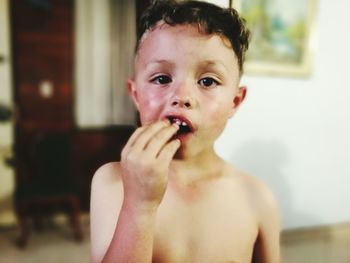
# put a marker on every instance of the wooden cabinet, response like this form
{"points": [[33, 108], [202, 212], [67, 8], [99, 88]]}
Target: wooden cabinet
{"points": [[42, 47]]}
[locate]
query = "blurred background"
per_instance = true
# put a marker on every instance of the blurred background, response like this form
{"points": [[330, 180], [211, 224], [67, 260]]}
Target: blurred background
{"points": [[64, 111]]}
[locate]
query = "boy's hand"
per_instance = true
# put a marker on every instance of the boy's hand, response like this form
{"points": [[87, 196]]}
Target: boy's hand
{"points": [[145, 162]]}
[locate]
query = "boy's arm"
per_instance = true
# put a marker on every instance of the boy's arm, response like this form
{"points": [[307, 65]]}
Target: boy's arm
{"points": [[105, 205], [133, 236], [144, 170], [267, 246]]}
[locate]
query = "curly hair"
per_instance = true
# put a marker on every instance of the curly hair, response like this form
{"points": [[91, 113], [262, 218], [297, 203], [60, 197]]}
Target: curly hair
{"points": [[211, 19]]}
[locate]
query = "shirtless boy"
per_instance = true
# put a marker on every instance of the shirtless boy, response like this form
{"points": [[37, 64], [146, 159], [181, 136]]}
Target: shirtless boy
{"points": [[172, 199]]}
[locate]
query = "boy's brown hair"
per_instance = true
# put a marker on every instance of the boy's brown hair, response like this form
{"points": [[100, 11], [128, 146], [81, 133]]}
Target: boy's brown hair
{"points": [[211, 19]]}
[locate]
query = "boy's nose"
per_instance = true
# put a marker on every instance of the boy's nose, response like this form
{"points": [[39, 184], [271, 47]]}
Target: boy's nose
{"points": [[182, 103], [183, 97]]}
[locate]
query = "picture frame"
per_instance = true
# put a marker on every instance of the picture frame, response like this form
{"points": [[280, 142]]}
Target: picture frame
{"points": [[282, 36]]}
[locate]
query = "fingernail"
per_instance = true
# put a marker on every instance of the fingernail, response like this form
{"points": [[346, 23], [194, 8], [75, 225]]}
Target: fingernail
{"points": [[166, 121]]}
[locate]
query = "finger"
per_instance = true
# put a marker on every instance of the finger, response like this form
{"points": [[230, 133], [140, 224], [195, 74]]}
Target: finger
{"points": [[148, 133], [169, 150], [135, 135], [131, 141], [159, 140]]}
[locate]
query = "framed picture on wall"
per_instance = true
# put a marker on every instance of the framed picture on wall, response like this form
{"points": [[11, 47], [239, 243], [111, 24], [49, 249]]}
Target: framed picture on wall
{"points": [[282, 36]]}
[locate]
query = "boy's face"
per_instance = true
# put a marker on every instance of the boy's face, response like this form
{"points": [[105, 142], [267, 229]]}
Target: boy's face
{"points": [[187, 77]]}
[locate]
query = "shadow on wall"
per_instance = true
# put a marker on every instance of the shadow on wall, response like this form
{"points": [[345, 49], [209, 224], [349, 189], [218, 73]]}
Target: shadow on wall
{"points": [[266, 160], [6, 204]]}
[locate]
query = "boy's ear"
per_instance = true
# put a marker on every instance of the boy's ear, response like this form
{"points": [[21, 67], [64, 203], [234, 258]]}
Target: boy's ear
{"points": [[238, 99], [133, 92]]}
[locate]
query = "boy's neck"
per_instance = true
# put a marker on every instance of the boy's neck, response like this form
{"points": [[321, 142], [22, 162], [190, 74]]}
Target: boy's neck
{"points": [[202, 167]]}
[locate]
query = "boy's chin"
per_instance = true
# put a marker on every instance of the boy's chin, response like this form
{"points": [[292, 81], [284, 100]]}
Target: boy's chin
{"points": [[183, 152], [183, 137]]}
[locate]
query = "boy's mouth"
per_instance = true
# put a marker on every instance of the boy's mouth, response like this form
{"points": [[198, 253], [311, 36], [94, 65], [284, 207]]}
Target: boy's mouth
{"points": [[184, 125]]}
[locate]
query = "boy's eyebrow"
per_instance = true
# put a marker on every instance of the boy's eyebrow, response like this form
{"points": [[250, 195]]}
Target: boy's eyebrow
{"points": [[160, 61], [213, 63], [205, 63]]}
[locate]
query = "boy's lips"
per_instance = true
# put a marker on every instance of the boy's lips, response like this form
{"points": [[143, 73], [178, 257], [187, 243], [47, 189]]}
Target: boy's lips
{"points": [[185, 125]]}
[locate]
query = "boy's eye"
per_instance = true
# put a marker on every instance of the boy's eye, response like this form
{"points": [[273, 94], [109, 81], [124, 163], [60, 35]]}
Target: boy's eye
{"points": [[208, 82], [163, 79]]}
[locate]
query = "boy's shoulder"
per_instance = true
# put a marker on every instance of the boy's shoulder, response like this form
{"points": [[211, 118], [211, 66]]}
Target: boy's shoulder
{"points": [[108, 173], [263, 202], [107, 179], [257, 192]]}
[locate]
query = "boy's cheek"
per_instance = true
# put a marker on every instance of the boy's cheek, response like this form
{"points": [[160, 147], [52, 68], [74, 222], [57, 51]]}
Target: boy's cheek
{"points": [[148, 114]]}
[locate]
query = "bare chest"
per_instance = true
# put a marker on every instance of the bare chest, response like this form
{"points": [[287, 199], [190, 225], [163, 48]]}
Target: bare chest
{"points": [[219, 228]]}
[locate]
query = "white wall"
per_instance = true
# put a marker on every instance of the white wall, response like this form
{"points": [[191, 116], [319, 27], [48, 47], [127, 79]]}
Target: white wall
{"points": [[294, 134], [7, 180]]}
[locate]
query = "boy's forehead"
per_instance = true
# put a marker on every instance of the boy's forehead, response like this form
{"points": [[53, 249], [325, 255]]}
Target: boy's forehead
{"points": [[162, 29], [159, 38], [190, 30]]}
